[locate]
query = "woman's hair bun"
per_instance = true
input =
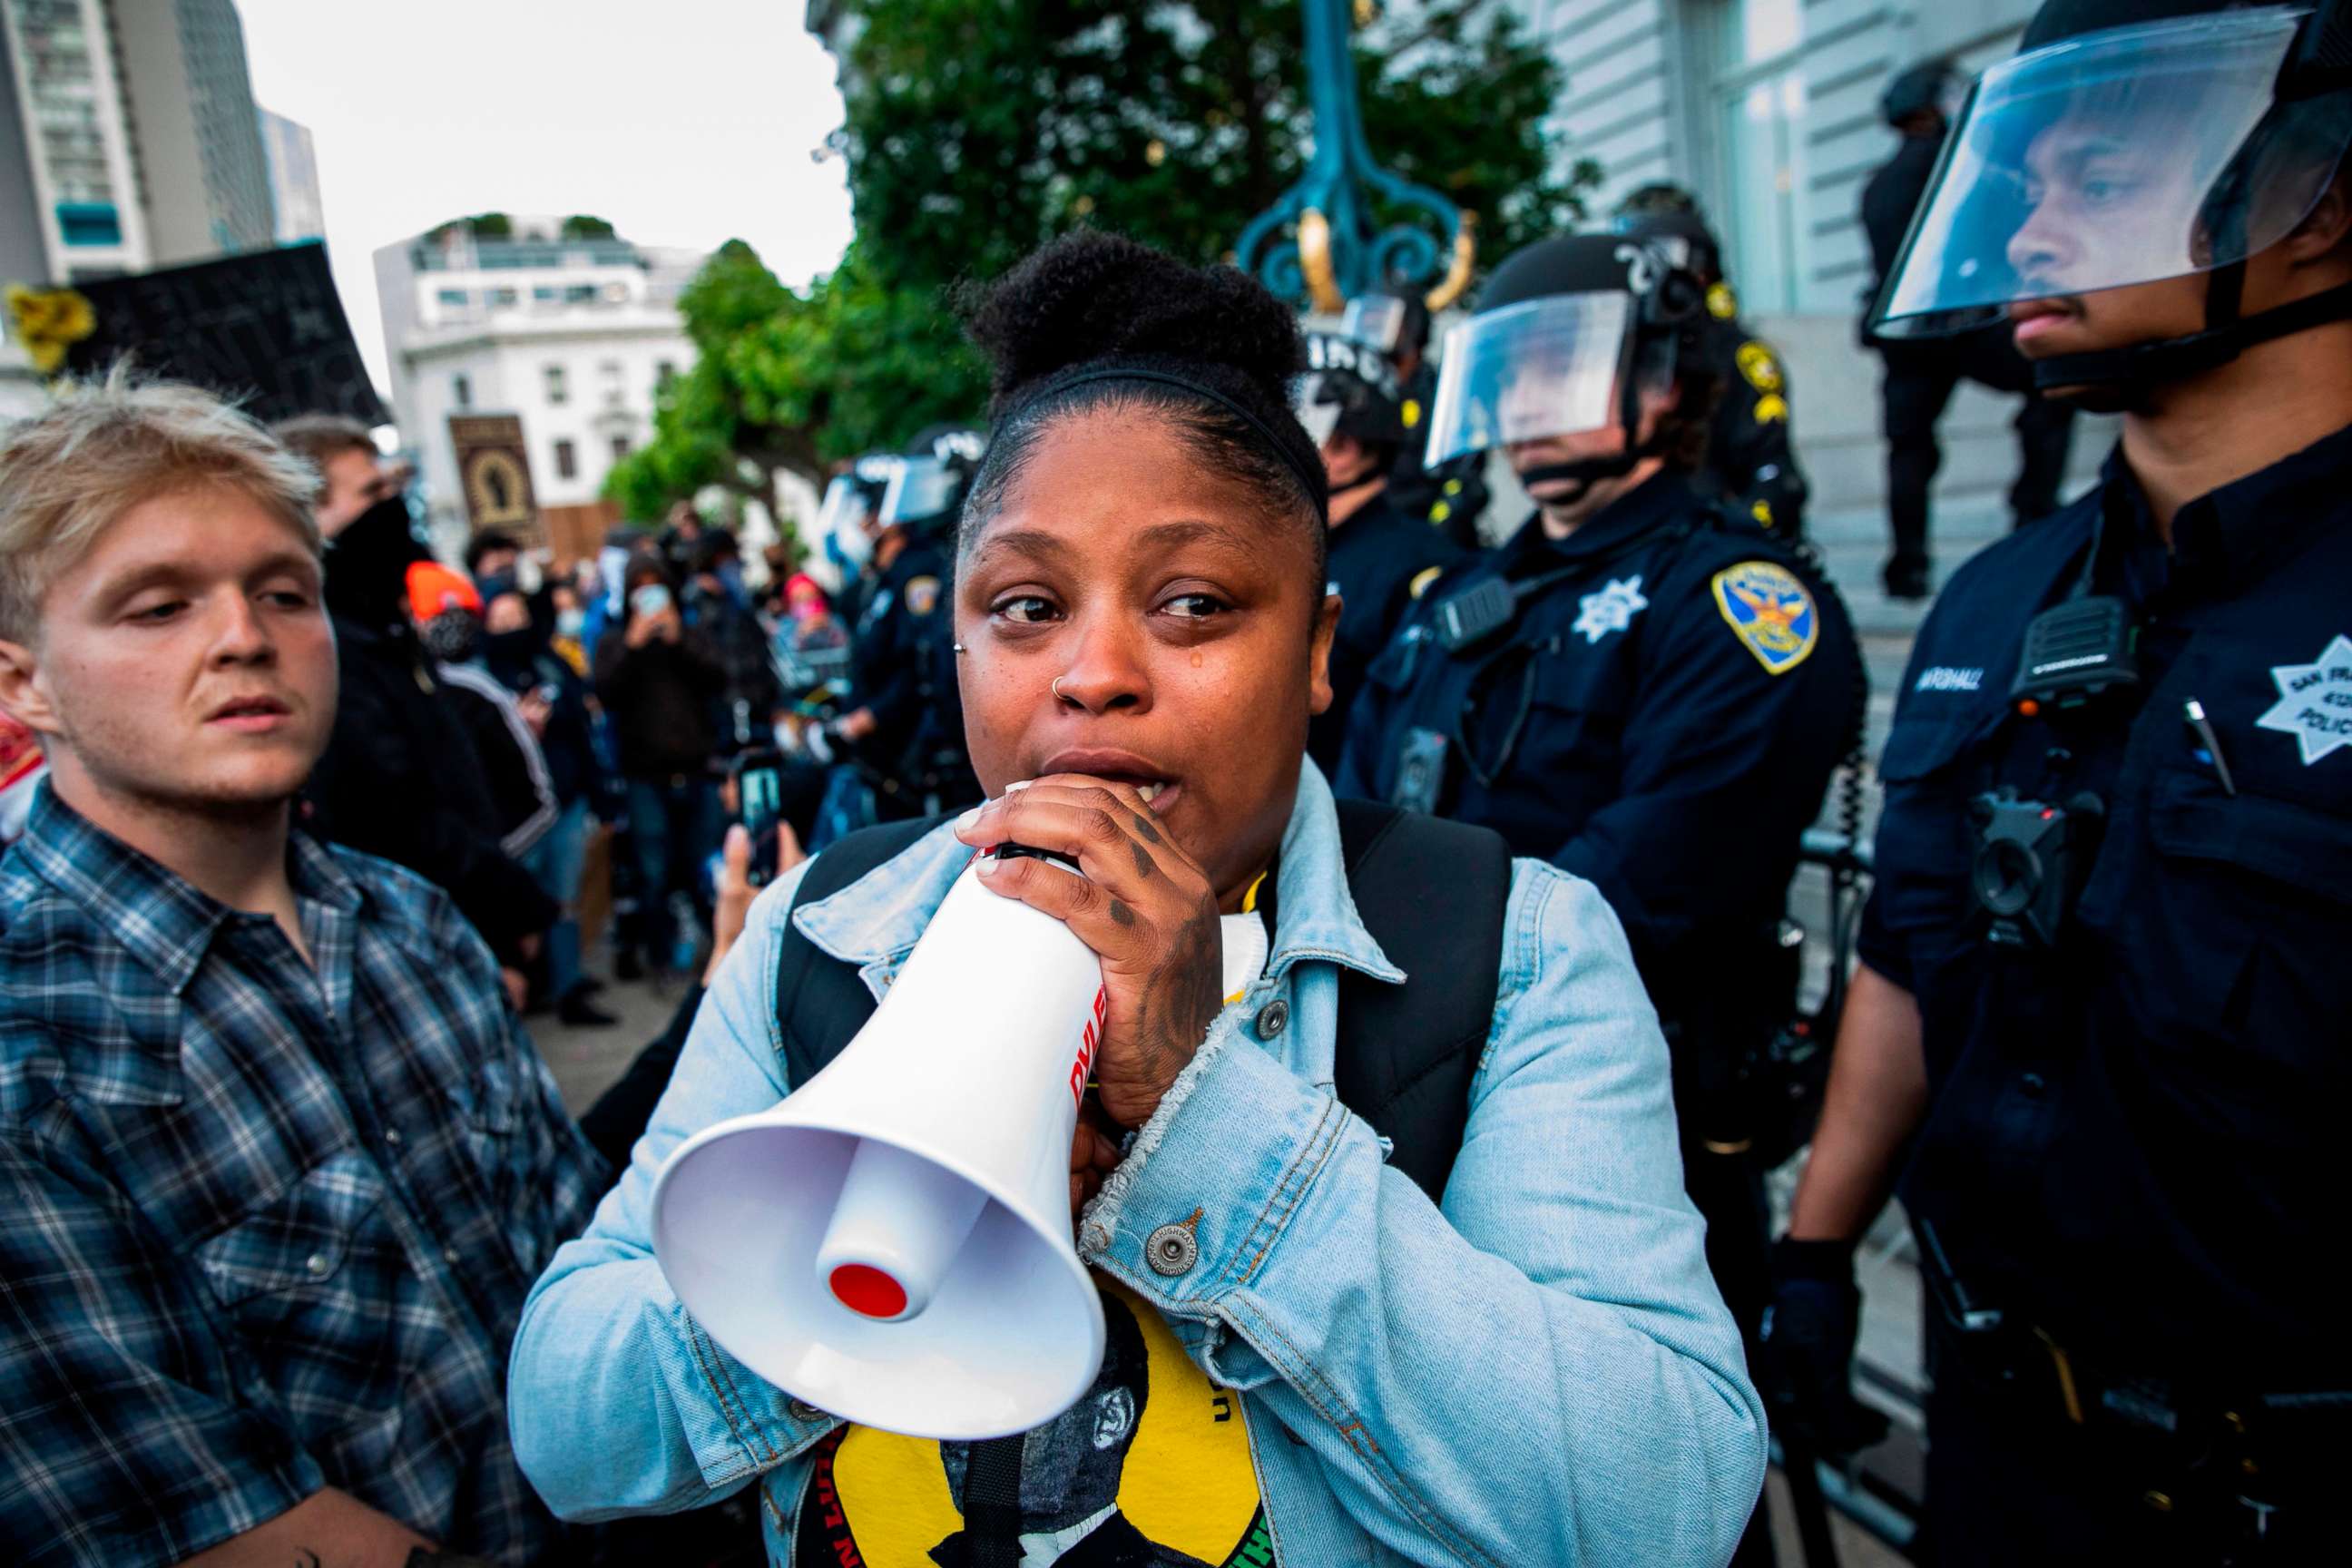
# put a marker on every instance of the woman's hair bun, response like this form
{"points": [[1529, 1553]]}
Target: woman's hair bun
{"points": [[1090, 296]]}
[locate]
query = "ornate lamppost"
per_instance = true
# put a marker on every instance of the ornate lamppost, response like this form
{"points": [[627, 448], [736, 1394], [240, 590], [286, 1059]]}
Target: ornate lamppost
{"points": [[1319, 243]]}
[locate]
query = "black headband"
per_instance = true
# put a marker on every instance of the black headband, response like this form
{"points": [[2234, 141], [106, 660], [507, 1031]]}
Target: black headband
{"points": [[1311, 481]]}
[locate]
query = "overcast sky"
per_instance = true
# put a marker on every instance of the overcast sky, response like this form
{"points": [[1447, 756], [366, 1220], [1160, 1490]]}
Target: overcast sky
{"points": [[683, 122]]}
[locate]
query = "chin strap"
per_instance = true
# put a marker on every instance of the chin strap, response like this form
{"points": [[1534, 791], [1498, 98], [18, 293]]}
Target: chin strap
{"points": [[2113, 380]]}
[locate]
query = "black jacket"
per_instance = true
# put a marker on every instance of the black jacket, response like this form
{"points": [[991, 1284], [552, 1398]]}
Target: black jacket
{"points": [[1380, 560], [401, 779], [660, 698]]}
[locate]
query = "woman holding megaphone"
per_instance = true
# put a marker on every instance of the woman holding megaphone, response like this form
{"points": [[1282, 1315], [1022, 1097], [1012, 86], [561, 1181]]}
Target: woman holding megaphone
{"points": [[1377, 1209]]}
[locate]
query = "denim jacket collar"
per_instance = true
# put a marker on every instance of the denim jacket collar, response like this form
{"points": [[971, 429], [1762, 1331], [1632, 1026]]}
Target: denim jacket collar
{"points": [[877, 920]]}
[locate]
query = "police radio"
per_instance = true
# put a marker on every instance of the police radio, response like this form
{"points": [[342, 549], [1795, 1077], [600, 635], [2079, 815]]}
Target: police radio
{"points": [[2074, 652]]}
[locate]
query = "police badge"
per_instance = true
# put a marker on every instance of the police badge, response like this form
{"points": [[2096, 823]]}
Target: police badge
{"points": [[1771, 611]]}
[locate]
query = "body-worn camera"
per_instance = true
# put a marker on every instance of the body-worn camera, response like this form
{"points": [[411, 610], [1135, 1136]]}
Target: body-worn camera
{"points": [[2029, 861]]}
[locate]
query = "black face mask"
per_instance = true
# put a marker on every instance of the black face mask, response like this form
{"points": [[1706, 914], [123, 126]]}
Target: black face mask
{"points": [[510, 654], [367, 565], [453, 637]]}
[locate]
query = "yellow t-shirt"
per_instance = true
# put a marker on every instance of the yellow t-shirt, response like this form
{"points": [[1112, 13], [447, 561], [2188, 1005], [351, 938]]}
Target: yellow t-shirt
{"points": [[1150, 1467]]}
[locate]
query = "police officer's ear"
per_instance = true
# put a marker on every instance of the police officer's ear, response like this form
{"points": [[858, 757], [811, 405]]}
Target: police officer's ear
{"points": [[1318, 656], [2323, 236]]}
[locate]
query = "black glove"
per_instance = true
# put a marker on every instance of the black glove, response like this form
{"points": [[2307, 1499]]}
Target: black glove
{"points": [[1808, 1331]]}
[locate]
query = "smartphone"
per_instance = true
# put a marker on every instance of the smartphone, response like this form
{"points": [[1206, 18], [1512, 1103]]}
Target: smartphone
{"points": [[760, 807]]}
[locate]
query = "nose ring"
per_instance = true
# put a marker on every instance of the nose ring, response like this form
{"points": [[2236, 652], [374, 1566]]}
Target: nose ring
{"points": [[1056, 686]]}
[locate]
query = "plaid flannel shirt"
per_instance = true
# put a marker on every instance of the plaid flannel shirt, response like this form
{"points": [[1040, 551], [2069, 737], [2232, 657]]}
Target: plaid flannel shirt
{"points": [[265, 1225]]}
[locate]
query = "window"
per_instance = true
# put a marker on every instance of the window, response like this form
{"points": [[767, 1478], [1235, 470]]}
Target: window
{"points": [[543, 295], [461, 389], [558, 389], [567, 461], [579, 294], [455, 298], [89, 223], [620, 447], [1760, 98], [664, 371], [503, 297]]}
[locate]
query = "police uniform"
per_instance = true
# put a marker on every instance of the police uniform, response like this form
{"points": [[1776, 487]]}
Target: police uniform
{"points": [[1750, 464], [2134, 1154], [1381, 559], [1661, 720], [903, 669]]}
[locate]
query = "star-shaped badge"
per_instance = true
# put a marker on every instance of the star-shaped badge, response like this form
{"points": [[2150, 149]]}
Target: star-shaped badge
{"points": [[2315, 701]]}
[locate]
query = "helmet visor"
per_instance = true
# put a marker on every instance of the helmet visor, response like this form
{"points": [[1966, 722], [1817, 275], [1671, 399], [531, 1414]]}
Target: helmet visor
{"points": [[848, 504], [1375, 321], [2119, 157], [1546, 367], [918, 488]]}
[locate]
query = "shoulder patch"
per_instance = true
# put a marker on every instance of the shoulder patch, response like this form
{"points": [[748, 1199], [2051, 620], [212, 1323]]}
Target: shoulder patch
{"points": [[922, 596], [1422, 579], [1721, 303], [1771, 611], [1761, 366]]}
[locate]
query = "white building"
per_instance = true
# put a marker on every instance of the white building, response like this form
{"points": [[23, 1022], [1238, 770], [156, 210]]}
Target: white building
{"points": [[293, 179], [1768, 110], [571, 336]]}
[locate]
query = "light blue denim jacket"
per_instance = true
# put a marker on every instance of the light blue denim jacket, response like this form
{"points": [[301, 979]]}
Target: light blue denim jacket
{"points": [[1538, 1371]]}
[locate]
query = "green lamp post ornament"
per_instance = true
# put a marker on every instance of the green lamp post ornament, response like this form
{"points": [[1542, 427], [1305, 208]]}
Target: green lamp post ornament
{"points": [[1334, 249]]}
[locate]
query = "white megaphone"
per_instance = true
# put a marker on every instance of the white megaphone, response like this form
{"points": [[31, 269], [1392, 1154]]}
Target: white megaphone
{"points": [[892, 1242]]}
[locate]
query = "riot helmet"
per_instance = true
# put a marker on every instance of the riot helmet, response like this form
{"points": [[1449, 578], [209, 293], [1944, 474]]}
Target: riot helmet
{"points": [[2131, 141], [1352, 390], [1931, 87], [1668, 217], [1570, 335], [927, 481]]}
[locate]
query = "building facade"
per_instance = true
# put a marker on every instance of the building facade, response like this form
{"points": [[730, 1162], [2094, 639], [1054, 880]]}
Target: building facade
{"points": [[293, 167], [133, 142], [573, 337], [79, 193], [1768, 110]]}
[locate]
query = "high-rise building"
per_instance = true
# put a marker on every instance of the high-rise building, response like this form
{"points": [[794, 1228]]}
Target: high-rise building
{"points": [[197, 132], [79, 185], [293, 179], [133, 142]]}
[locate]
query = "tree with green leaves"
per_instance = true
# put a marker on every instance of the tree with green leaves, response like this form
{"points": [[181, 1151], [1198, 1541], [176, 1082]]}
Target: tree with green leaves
{"points": [[976, 129]]}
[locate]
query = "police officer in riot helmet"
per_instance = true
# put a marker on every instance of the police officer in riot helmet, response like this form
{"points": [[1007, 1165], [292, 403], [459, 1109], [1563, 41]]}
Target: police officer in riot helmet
{"points": [[1643, 686], [1922, 372], [1749, 460], [1394, 324], [2097, 1041], [901, 643], [1381, 559]]}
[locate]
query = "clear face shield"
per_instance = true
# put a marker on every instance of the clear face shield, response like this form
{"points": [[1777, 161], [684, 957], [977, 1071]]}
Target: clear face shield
{"points": [[1375, 321], [2119, 157], [917, 487], [1556, 366]]}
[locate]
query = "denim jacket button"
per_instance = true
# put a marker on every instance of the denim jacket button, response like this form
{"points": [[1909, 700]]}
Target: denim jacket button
{"points": [[801, 1410], [1171, 1249], [1272, 1018]]}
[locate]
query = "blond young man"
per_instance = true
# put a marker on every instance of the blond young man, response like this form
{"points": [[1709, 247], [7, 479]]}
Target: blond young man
{"points": [[279, 1165]]}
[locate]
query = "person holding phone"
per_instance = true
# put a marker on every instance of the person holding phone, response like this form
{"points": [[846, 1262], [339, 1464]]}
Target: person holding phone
{"points": [[660, 681], [1470, 1323]]}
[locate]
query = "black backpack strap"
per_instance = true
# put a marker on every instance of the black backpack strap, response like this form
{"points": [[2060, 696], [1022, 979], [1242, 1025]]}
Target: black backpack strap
{"points": [[821, 1002], [1434, 895]]}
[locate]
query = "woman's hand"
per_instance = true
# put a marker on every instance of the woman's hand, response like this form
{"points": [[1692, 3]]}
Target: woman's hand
{"points": [[1144, 906]]}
